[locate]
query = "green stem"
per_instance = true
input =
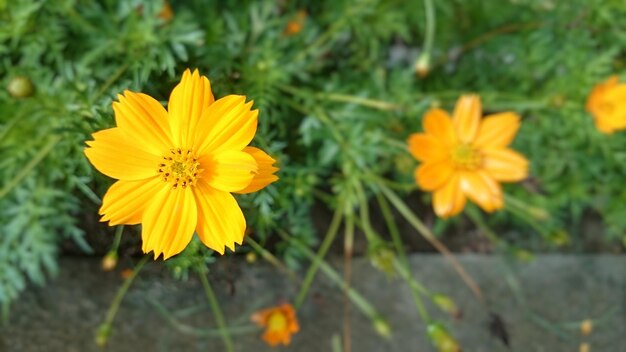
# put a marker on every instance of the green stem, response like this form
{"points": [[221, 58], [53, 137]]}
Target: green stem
{"points": [[347, 274], [199, 332], [425, 232], [270, 258], [402, 266], [415, 287], [118, 238], [364, 306], [328, 240], [215, 307], [43, 152], [429, 36], [104, 329]]}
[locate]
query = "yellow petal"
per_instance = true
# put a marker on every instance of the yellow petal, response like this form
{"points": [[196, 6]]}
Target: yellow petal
{"points": [[188, 101], [117, 157], [169, 222], [226, 124], [144, 121], [481, 189], [434, 174], [125, 201], [220, 220], [438, 124], [229, 170], [505, 165], [466, 117], [449, 200], [265, 173], [426, 147], [498, 130]]}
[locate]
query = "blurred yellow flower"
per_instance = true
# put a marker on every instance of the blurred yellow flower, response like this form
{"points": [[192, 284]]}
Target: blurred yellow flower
{"points": [[607, 105], [464, 157], [280, 323], [178, 168]]}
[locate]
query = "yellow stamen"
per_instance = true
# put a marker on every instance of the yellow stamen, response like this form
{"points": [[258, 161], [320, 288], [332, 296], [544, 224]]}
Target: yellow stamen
{"points": [[277, 322], [180, 168], [464, 156]]}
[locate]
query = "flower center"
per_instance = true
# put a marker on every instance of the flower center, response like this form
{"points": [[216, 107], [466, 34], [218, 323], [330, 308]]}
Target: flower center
{"points": [[464, 156], [180, 168], [277, 322], [606, 107]]}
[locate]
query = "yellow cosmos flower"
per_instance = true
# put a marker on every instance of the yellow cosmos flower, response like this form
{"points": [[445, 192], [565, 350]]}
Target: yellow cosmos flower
{"points": [[464, 157], [607, 104], [178, 168], [280, 323]]}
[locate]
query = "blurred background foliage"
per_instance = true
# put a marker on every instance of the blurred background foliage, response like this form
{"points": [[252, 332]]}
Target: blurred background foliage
{"points": [[338, 93]]}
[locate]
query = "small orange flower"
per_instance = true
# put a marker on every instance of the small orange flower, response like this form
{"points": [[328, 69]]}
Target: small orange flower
{"points": [[607, 104], [166, 12], [280, 323], [464, 157], [294, 26]]}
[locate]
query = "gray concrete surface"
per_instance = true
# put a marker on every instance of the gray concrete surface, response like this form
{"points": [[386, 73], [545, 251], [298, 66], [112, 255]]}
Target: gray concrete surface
{"points": [[540, 302]]}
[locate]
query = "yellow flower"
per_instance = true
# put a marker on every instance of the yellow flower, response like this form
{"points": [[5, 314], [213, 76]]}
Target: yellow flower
{"points": [[607, 104], [280, 323], [464, 157], [178, 168]]}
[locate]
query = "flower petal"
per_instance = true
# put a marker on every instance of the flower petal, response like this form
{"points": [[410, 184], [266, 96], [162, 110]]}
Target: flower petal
{"points": [[220, 221], [125, 201], [188, 101], [505, 165], [449, 200], [115, 156], [426, 147], [226, 124], [434, 174], [466, 117], [144, 120], [438, 124], [229, 170], [169, 222], [498, 130], [265, 173], [481, 189]]}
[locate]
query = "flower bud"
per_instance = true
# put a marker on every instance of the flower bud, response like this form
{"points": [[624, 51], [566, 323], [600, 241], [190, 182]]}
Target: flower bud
{"points": [[20, 87], [109, 261], [422, 65], [382, 327], [382, 258], [586, 327], [102, 336], [251, 257], [441, 339], [446, 304]]}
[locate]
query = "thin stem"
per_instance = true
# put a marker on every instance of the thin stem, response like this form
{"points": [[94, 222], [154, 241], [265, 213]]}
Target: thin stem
{"points": [[429, 36], [217, 312], [270, 258], [199, 332], [425, 232], [43, 152], [120, 71], [347, 274], [416, 288], [402, 266], [358, 300], [105, 328], [328, 240], [118, 238]]}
